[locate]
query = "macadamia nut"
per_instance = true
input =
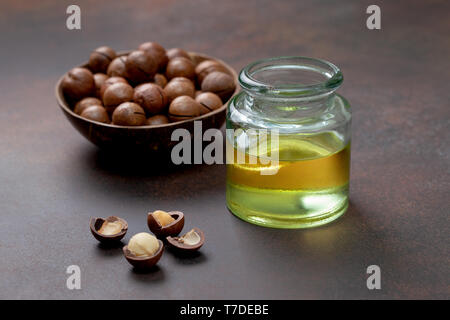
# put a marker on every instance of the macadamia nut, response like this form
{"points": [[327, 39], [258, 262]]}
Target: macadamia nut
{"points": [[163, 217], [109, 228], [143, 244], [191, 238]]}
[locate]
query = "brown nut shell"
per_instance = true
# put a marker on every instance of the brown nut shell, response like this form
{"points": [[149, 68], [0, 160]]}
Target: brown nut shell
{"points": [[181, 247], [143, 263], [179, 87], [117, 94], [183, 108], [78, 83], [206, 67], [140, 67], [160, 80], [209, 102], [96, 113], [157, 52], [85, 103], [129, 114], [99, 79], [172, 229], [117, 68], [177, 52], [219, 83], [100, 59], [156, 120], [150, 97], [180, 67], [108, 82], [96, 223]]}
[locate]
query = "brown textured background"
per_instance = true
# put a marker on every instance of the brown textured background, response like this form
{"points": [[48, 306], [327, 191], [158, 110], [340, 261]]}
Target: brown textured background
{"points": [[52, 180]]}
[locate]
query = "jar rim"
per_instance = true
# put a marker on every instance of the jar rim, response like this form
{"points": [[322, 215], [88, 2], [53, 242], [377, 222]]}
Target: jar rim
{"points": [[332, 77]]}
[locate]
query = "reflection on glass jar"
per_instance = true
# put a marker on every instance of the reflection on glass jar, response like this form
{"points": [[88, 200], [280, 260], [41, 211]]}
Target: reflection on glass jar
{"points": [[295, 98]]}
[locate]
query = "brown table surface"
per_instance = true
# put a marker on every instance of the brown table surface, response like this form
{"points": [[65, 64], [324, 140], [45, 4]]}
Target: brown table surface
{"points": [[52, 179]]}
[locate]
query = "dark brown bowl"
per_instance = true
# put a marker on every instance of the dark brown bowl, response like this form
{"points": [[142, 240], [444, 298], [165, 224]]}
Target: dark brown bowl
{"points": [[148, 139], [172, 229], [96, 223], [143, 262]]}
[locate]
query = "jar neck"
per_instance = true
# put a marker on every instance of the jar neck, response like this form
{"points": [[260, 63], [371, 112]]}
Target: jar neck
{"points": [[289, 88]]}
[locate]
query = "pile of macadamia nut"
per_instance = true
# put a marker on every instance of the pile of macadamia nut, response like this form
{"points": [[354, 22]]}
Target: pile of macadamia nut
{"points": [[148, 86], [144, 249]]}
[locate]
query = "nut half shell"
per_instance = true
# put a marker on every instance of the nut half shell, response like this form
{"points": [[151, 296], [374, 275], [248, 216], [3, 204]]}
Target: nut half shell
{"points": [[181, 246], [172, 229], [143, 262], [96, 223]]}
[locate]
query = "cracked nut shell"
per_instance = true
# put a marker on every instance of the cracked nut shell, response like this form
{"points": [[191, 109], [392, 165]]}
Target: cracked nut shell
{"points": [[157, 120], [172, 229], [181, 246], [160, 80], [117, 67], [150, 97], [209, 102], [206, 67], [110, 81], [183, 108], [219, 83], [100, 59], [179, 86], [157, 52], [96, 113], [78, 83], [145, 262], [140, 67], [85, 103], [180, 67], [117, 94], [96, 223], [99, 79], [177, 52], [129, 114]]}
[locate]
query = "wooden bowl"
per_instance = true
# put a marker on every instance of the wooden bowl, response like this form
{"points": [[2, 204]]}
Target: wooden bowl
{"points": [[147, 139]]}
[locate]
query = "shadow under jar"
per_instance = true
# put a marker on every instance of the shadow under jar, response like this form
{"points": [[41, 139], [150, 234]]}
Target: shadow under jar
{"points": [[288, 150]]}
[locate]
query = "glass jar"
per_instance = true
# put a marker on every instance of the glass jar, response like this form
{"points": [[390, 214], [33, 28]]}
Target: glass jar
{"points": [[288, 144]]}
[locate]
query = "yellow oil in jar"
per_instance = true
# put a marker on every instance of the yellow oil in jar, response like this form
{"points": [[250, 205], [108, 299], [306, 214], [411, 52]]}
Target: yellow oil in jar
{"points": [[309, 188]]}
